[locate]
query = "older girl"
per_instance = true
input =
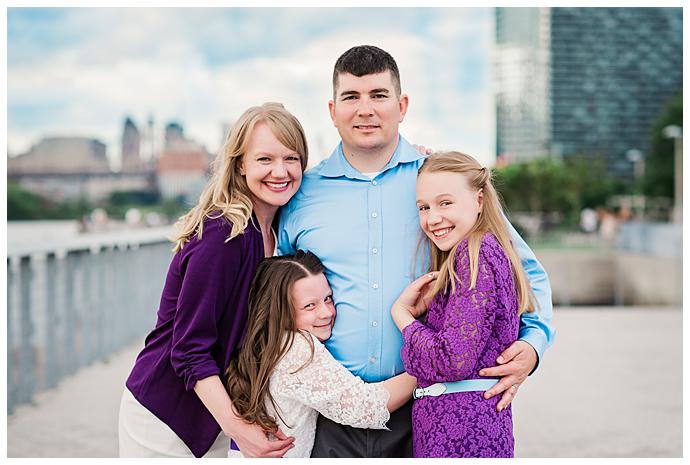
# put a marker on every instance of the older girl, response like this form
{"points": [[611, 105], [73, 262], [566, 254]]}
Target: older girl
{"points": [[174, 404], [474, 316], [284, 376]]}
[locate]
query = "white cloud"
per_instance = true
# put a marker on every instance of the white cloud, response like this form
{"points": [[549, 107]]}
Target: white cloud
{"points": [[157, 64]]}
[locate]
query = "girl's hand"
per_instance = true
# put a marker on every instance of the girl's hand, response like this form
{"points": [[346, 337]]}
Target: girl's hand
{"points": [[413, 301]]}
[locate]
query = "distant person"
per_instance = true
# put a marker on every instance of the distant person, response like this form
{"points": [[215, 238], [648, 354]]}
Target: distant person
{"points": [[174, 403], [624, 214], [284, 376], [356, 212], [474, 316], [588, 220], [608, 225]]}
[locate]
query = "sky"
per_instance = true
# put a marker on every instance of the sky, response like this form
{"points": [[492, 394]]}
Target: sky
{"points": [[82, 71]]}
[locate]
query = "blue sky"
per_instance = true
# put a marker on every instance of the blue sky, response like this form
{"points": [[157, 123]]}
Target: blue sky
{"points": [[81, 71]]}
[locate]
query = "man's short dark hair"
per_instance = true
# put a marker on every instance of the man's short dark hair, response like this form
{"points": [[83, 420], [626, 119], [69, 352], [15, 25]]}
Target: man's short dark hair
{"points": [[366, 59]]}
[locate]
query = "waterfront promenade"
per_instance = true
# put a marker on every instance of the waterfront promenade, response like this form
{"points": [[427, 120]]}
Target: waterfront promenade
{"points": [[611, 386]]}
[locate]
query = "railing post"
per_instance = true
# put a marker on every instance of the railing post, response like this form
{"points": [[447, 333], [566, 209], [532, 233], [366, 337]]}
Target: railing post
{"points": [[52, 369], [110, 306], [87, 309], [71, 347], [25, 374], [100, 304], [119, 279], [11, 385]]}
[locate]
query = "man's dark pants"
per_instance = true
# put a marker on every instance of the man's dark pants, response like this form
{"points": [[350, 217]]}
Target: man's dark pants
{"points": [[336, 440]]}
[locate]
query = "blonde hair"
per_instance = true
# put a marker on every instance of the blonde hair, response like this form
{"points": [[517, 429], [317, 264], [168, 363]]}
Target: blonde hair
{"points": [[226, 194], [490, 220]]}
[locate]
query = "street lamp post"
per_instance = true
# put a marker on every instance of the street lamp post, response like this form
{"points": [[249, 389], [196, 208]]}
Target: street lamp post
{"points": [[676, 133], [636, 157]]}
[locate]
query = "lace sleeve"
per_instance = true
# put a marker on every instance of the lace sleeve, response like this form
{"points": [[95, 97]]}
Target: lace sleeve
{"points": [[451, 353], [328, 387]]}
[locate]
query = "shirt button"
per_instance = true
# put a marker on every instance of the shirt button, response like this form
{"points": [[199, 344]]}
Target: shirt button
{"points": [[374, 215], [375, 250], [375, 286], [374, 323], [374, 182], [372, 359]]}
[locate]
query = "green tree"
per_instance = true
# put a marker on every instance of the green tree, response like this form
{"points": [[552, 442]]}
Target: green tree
{"points": [[547, 185], [659, 166], [23, 205]]}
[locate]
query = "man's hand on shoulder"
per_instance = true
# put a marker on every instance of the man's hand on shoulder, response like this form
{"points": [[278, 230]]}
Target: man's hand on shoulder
{"points": [[423, 150]]}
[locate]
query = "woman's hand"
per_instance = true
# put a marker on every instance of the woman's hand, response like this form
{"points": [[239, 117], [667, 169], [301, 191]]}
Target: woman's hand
{"points": [[251, 439], [414, 301], [254, 442]]}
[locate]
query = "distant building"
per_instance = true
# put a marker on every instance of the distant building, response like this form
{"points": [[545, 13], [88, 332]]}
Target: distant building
{"points": [[150, 139], [64, 168], [182, 169], [583, 81], [174, 133], [131, 148], [58, 155]]}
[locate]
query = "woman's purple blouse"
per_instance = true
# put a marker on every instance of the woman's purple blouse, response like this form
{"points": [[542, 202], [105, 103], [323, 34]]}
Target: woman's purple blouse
{"points": [[201, 320]]}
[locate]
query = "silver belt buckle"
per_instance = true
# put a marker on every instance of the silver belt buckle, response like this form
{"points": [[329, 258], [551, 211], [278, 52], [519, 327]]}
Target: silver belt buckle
{"points": [[434, 390]]}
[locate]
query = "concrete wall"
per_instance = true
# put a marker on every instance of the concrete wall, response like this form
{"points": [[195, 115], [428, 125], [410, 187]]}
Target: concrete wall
{"points": [[649, 280], [606, 277]]}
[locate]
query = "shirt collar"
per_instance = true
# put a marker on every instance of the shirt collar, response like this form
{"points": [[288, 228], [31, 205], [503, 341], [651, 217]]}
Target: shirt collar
{"points": [[337, 165]]}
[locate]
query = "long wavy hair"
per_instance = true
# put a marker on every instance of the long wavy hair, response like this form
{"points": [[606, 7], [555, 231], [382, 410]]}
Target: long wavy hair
{"points": [[227, 194], [270, 333], [490, 220]]}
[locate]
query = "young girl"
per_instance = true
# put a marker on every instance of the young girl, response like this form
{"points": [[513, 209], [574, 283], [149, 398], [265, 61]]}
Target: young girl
{"points": [[284, 376], [473, 316], [174, 403]]}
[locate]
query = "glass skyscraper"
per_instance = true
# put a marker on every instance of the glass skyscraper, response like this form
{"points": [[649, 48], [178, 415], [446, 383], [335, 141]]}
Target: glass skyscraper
{"points": [[583, 81]]}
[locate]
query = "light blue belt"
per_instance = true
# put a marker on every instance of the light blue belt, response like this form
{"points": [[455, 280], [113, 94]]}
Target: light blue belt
{"points": [[466, 385]]}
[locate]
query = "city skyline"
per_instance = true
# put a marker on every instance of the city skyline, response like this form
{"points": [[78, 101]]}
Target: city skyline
{"points": [[80, 72]]}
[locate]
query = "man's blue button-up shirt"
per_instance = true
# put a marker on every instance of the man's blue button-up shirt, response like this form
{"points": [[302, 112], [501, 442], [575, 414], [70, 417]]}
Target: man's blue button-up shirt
{"points": [[366, 232]]}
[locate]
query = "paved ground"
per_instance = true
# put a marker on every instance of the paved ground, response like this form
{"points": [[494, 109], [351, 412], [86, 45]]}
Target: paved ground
{"points": [[611, 386]]}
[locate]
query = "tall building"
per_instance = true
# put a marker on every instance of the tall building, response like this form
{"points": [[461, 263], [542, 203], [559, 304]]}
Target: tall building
{"points": [[131, 146], [183, 166], [150, 139], [173, 133], [583, 81]]}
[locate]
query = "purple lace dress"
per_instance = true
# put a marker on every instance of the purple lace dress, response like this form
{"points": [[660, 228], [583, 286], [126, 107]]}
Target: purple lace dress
{"points": [[464, 332]]}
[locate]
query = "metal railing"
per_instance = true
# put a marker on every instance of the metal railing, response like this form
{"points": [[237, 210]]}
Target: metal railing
{"points": [[70, 306], [658, 239]]}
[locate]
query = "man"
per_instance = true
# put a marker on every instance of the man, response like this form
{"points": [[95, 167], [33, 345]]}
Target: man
{"points": [[356, 211]]}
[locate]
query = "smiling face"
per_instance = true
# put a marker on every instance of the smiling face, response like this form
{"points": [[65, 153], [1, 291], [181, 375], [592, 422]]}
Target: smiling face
{"points": [[312, 300], [367, 111], [448, 207], [273, 171]]}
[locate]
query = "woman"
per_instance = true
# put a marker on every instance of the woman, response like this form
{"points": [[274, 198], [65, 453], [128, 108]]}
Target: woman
{"points": [[174, 403]]}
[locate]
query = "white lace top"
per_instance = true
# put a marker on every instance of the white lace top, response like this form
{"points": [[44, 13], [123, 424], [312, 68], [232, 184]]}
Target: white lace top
{"points": [[322, 386]]}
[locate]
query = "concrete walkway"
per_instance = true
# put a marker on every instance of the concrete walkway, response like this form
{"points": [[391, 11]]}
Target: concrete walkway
{"points": [[611, 386]]}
